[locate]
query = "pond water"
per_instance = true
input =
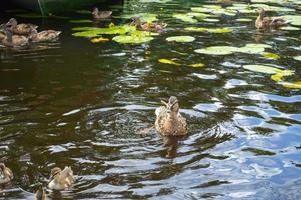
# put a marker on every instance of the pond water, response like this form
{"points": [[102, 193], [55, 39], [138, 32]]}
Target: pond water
{"points": [[82, 104]]}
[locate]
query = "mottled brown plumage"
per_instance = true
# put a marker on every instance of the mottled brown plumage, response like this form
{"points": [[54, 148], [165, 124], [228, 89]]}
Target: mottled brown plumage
{"points": [[44, 36], [40, 194], [169, 121], [61, 179], [10, 40], [22, 29], [148, 26], [97, 14], [6, 175], [263, 22]]}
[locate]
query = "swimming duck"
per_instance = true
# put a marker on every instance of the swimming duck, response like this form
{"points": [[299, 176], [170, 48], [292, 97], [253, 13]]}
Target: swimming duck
{"points": [[11, 40], [44, 36], [40, 194], [60, 180], [169, 121], [268, 22], [148, 26], [22, 29], [6, 175], [101, 14]]}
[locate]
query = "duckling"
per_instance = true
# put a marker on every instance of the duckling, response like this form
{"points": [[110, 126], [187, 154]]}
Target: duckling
{"points": [[60, 180], [148, 26], [268, 22], [40, 194], [169, 121], [101, 14], [22, 29], [11, 40], [44, 36], [6, 175]]}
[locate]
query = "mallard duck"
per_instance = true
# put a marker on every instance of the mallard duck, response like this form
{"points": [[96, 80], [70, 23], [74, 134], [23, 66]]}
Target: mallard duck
{"points": [[40, 194], [60, 180], [169, 121], [22, 29], [148, 26], [44, 36], [268, 22], [11, 40], [101, 14], [6, 175]]}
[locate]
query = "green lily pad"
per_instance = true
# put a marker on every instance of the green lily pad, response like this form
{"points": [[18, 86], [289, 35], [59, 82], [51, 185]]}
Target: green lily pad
{"points": [[297, 58], [209, 30], [295, 85], [210, 20], [185, 18], [180, 39], [132, 39], [290, 28], [167, 61], [243, 20], [144, 17], [271, 56], [251, 50], [81, 21], [273, 8], [256, 45], [197, 65], [217, 50], [262, 69], [94, 31]]}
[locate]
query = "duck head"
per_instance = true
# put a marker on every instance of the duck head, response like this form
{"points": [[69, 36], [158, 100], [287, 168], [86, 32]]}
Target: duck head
{"points": [[12, 22], [54, 172], [95, 11], [260, 11], [135, 21], [172, 107]]}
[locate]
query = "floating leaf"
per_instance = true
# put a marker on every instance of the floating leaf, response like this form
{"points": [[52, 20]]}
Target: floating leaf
{"points": [[279, 75], [295, 85], [144, 17], [256, 45], [197, 65], [80, 21], [132, 39], [271, 56], [210, 30], [297, 58], [167, 61], [262, 69], [243, 20], [210, 20], [185, 18], [94, 31], [293, 19], [290, 28], [99, 39], [217, 50], [251, 50], [180, 39]]}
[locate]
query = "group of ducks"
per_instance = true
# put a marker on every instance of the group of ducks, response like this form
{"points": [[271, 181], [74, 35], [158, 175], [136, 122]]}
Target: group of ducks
{"points": [[169, 122], [13, 34], [59, 179]]}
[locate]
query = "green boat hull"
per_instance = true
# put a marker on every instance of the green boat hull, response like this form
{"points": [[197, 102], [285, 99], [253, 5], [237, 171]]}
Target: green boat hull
{"points": [[55, 6]]}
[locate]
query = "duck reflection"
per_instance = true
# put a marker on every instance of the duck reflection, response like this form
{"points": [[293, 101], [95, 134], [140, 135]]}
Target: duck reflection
{"points": [[171, 145]]}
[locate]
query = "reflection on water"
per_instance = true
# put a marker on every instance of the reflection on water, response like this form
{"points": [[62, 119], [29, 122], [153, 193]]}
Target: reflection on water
{"points": [[74, 103]]}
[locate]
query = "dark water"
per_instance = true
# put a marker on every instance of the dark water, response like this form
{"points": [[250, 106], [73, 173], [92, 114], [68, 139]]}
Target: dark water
{"points": [[74, 103]]}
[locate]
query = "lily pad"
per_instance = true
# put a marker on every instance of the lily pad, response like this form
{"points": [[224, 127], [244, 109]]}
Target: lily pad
{"points": [[99, 39], [210, 30], [295, 85], [297, 58], [185, 18], [210, 20], [217, 50], [167, 61], [271, 56], [180, 39], [94, 31], [293, 19], [279, 75], [197, 65], [262, 69], [144, 17], [290, 28], [243, 20], [132, 39], [81, 21]]}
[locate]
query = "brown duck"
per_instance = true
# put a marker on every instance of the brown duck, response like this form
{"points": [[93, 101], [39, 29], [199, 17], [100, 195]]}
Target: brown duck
{"points": [[22, 29], [40, 194], [10, 40], [148, 26], [263, 22], [169, 121], [6, 175], [44, 36], [97, 14], [61, 179]]}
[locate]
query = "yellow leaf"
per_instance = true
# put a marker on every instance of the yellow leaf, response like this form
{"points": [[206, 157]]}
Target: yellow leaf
{"points": [[295, 85], [167, 61], [197, 65], [279, 75], [271, 56], [99, 39], [111, 25]]}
